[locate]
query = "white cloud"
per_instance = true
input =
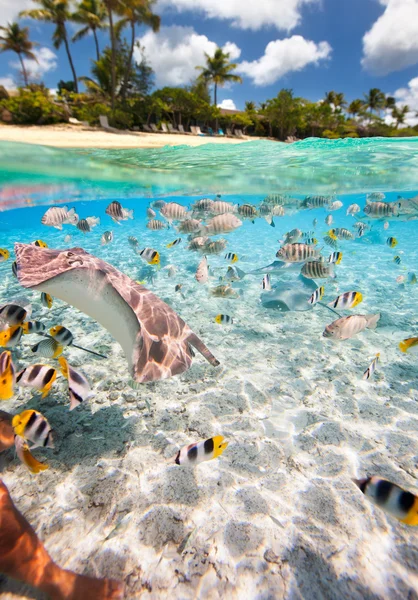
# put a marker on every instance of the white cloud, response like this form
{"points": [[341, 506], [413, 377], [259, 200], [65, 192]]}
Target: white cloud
{"points": [[283, 56], [9, 10], [246, 14], [8, 82], [392, 42], [46, 61], [228, 104], [409, 96], [175, 52]]}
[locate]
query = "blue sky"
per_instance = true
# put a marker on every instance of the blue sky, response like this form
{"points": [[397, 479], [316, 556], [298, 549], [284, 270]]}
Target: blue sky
{"points": [[311, 46]]}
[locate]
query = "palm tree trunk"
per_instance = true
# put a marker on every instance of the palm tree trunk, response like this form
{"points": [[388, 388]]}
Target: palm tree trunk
{"points": [[215, 94], [97, 43], [70, 60], [113, 61], [129, 63], [25, 75]]}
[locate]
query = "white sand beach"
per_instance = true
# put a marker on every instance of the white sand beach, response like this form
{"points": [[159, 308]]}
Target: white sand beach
{"points": [[75, 136]]}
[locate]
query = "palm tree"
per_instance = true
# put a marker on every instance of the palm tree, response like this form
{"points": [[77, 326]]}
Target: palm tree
{"points": [[112, 5], [400, 114], [329, 98], [58, 13], [92, 14], [375, 100], [390, 102], [250, 107], [16, 39], [339, 100], [355, 107], [135, 12], [218, 71]]}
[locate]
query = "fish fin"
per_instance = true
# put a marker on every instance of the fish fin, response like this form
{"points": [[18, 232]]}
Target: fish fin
{"points": [[372, 320], [403, 347], [58, 227], [25, 456]]}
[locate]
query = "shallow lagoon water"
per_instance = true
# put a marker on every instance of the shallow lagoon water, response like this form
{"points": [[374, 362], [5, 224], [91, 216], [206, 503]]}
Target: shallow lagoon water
{"points": [[277, 515]]}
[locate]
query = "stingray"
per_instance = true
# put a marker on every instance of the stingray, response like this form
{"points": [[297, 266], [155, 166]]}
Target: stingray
{"points": [[156, 341], [290, 295], [278, 266]]}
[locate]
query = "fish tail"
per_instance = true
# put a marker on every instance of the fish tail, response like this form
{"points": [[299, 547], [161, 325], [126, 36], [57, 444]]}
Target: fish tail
{"points": [[34, 466], [204, 351], [403, 347], [372, 320]]}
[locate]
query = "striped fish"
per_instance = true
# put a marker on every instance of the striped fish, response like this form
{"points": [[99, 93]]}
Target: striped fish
{"points": [[83, 225], [7, 376], [189, 226], [156, 225], [9, 338], [173, 211], [196, 453], [62, 335], [158, 204], [231, 256], [33, 427], [202, 273], [275, 199], [219, 207], [379, 209], [331, 242], [40, 244], [391, 499], [150, 256], [214, 247], [12, 314], [248, 211], [392, 242], [372, 367], [340, 233], [46, 300], [317, 270], [33, 327], [317, 295], [335, 258], [57, 216], [224, 319], [79, 387], [114, 210], [297, 253], [397, 260], [39, 377], [266, 283], [347, 300], [133, 242], [175, 243], [222, 224], [316, 201], [197, 243], [48, 348], [205, 204]]}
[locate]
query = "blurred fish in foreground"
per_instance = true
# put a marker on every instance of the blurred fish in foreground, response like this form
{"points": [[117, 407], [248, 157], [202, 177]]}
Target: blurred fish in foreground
{"points": [[391, 499]]}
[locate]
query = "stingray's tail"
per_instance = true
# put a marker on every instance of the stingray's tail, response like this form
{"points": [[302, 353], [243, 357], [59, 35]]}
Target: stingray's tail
{"points": [[204, 350]]}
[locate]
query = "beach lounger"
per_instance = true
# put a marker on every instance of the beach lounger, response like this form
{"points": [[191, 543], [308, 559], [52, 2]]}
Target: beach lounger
{"points": [[239, 134], [104, 124], [220, 132], [229, 133], [182, 130], [193, 130], [198, 131], [147, 128], [172, 129], [164, 128], [155, 128]]}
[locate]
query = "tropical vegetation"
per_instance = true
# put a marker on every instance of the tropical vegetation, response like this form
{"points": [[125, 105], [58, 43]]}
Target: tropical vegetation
{"points": [[120, 84]]}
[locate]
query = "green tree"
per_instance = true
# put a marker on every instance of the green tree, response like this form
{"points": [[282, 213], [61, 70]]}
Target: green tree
{"points": [[92, 14], [58, 13], [218, 71], [355, 107], [329, 98], [285, 112], [339, 100], [200, 89], [133, 13], [111, 7], [400, 114], [374, 100], [390, 102], [16, 39], [250, 107]]}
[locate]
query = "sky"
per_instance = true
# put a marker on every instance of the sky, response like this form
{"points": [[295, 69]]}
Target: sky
{"points": [[310, 46]]}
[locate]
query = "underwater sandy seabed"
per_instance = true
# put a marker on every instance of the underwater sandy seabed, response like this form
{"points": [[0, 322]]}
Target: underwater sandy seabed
{"points": [[277, 515]]}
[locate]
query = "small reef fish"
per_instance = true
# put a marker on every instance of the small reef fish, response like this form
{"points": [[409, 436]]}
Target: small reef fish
{"points": [[33, 327], [132, 241], [202, 273], [392, 499], [335, 205], [316, 202], [375, 197], [158, 204], [78, 385], [106, 238], [372, 367], [353, 209], [379, 210], [156, 225], [46, 300], [214, 247], [25, 456], [14, 269], [48, 348], [67, 238], [224, 291], [392, 242], [412, 278], [232, 257], [311, 241], [224, 319], [4, 255], [297, 253], [11, 336], [7, 376], [386, 225], [347, 327], [173, 211], [40, 244], [198, 243], [266, 283], [397, 260], [275, 199], [57, 216], [178, 288], [12, 314], [150, 256], [62, 335], [328, 220], [347, 300], [151, 214], [248, 211], [291, 237], [201, 451], [317, 270], [234, 274], [189, 226], [205, 204], [33, 427], [117, 213], [39, 377], [335, 258], [219, 207], [175, 243], [83, 225], [317, 295], [224, 223], [340, 234], [410, 344], [308, 234]]}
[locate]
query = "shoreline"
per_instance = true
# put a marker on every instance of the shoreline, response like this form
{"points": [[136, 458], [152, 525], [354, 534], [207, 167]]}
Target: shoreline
{"points": [[74, 136]]}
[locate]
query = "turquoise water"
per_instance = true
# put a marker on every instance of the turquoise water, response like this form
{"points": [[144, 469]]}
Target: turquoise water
{"points": [[300, 420]]}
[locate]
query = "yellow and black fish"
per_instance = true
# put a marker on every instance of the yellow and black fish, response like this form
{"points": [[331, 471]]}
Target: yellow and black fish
{"points": [[78, 386], [150, 255], [224, 319], [201, 451], [11, 337], [40, 244], [33, 327], [175, 243], [33, 427], [25, 456], [397, 260], [46, 300], [4, 254], [392, 242], [7, 376], [317, 295], [232, 257], [391, 498], [62, 335], [13, 314], [39, 377]]}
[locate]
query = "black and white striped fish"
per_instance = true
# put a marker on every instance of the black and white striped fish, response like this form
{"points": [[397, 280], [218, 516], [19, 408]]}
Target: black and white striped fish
{"points": [[317, 295], [266, 283], [201, 451], [39, 377], [83, 226], [156, 225], [62, 335], [12, 314], [372, 367], [150, 255], [32, 426], [33, 327], [79, 387], [317, 270]]}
